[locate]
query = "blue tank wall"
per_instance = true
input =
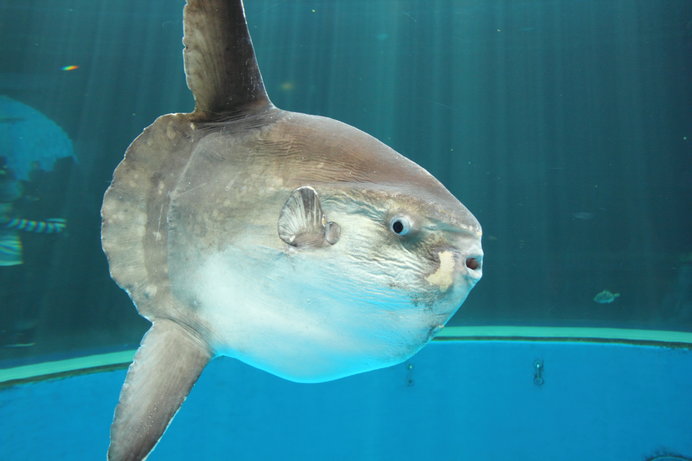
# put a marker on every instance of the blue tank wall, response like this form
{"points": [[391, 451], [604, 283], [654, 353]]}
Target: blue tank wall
{"points": [[456, 400], [564, 126]]}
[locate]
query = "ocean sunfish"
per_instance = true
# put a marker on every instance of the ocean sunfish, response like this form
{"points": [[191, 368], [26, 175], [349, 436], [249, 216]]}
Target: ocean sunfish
{"points": [[294, 243]]}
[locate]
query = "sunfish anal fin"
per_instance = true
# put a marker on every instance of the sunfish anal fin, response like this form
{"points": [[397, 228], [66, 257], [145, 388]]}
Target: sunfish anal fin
{"points": [[302, 222], [164, 369]]}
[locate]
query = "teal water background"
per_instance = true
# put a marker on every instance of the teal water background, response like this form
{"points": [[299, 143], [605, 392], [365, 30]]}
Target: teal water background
{"points": [[565, 126]]}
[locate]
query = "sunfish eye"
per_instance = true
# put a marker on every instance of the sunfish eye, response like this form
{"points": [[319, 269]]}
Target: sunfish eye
{"points": [[400, 225]]}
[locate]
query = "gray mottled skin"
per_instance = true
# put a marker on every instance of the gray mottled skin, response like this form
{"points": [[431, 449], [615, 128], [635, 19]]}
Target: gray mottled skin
{"points": [[195, 228]]}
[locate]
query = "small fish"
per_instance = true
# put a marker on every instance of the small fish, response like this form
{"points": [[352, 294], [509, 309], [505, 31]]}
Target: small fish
{"points": [[605, 297], [583, 215], [69, 68]]}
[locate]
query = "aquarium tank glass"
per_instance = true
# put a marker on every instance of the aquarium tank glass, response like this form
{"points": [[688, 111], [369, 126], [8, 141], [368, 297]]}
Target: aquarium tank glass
{"points": [[564, 126]]}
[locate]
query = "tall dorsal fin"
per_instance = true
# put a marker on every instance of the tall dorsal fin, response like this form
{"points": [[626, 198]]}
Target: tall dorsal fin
{"points": [[220, 63]]}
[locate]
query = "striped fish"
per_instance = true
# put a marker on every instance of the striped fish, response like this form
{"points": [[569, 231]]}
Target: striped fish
{"points": [[49, 226], [11, 244]]}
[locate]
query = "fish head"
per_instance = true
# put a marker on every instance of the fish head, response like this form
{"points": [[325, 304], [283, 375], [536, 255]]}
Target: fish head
{"points": [[422, 245], [394, 217]]}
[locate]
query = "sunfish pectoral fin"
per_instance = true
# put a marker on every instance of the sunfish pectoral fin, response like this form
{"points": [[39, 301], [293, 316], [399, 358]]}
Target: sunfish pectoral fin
{"points": [[303, 223], [165, 367]]}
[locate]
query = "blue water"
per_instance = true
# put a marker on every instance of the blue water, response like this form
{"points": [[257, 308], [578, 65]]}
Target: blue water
{"points": [[456, 400]]}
